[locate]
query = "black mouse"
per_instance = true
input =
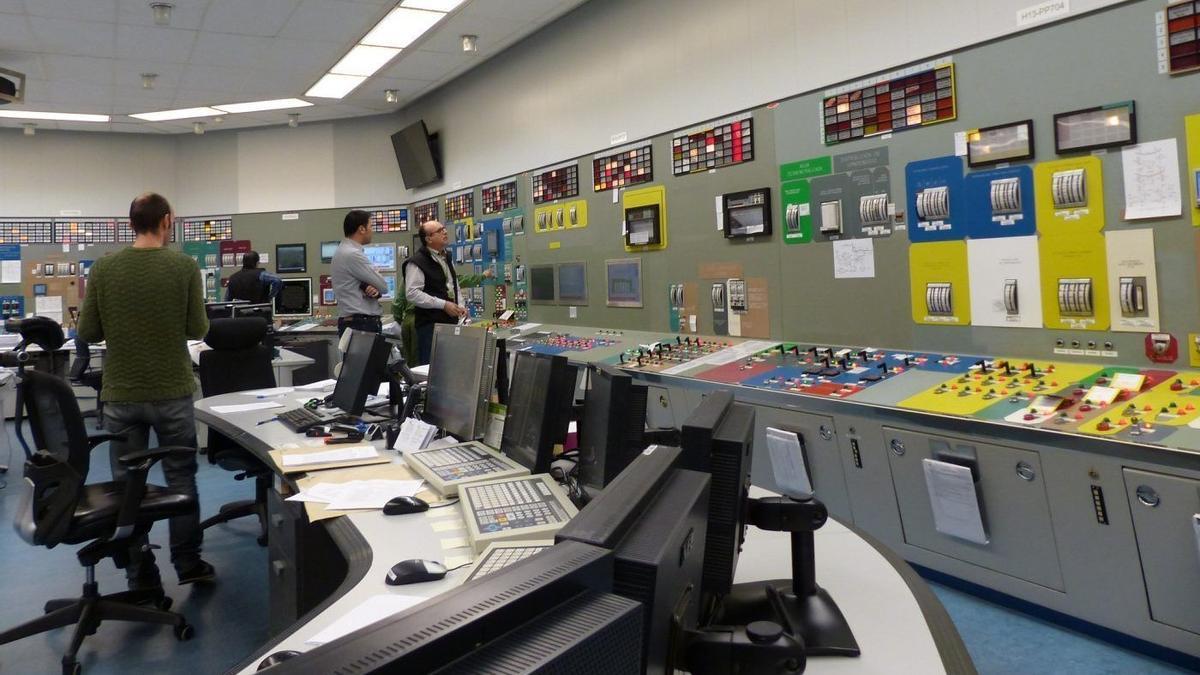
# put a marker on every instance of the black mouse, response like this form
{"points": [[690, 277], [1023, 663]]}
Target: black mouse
{"points": [[399, 506], [277, 658], [415, 571]]}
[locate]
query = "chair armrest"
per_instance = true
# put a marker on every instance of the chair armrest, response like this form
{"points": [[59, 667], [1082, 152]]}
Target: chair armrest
{"points": [[142, 460], [97, 439], [137, 465]]}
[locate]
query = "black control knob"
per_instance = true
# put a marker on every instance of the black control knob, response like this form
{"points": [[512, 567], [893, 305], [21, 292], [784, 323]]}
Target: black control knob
{"points": [[763, 632]]}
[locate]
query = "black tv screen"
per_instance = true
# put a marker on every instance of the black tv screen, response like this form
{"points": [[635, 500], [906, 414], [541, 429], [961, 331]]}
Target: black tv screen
{"points": [[415, 155]]}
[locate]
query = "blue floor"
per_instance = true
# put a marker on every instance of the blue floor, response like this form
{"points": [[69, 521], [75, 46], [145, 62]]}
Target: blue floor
{"points": [[231, 616]]}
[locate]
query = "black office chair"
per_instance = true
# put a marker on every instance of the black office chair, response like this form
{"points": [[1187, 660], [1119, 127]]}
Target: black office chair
{"points": [[58, 506], [82, 374], [238, 361]]}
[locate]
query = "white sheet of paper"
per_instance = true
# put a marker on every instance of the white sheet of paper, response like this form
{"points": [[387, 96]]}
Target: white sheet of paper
{"points": [[414, 435], [316, 386], [245, 407], [274, 391], [10, 271], [372, 494], [1152, 180], [374, 608], [48, 304], [787, 463], [954, 502], [340, 455], [854, 259]]}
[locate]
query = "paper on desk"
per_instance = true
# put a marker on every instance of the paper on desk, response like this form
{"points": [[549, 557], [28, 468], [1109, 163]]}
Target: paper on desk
{"points": [[787, 463], [352, 452], [245, 407], [954, 501], [374, 608], [390, 470], [414, 435], [273, 391], [316, 386], [358, 494]]}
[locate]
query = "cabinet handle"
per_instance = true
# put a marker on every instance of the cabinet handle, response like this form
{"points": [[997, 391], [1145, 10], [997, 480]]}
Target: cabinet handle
{"points": [[1147, 495]]}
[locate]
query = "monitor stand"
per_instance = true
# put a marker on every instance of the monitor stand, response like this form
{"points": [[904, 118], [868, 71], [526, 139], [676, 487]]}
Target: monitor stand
{"points": [[804, 609]]}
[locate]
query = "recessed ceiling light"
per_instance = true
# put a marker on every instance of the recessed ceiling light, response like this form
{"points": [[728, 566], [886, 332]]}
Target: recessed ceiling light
{"points": [[391, 95], [148, 80], [364, 60], [435, 5], [470, 43], [400, 27], [258, 106], [180, 114], [61, 117], [334, 86]]}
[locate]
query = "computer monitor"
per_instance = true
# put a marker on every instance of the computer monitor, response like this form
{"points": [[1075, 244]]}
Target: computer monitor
{"points": [[716, 439], [381, 256], [460, 380], [607, 518], [295, 299], [541, 284], [291, 258], [219, 310], [613, 425], [503, 617], [265, 310], [390, 293], [540, 396], [572, 283], [328, 248], [362, 371]]}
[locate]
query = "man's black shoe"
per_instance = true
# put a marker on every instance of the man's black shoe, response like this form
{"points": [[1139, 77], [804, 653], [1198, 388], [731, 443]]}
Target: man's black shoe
{"points": [[201, 572]]}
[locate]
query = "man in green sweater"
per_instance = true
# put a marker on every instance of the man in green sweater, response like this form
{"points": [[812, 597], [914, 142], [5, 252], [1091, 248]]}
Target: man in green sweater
{"points": [[146, 301]]}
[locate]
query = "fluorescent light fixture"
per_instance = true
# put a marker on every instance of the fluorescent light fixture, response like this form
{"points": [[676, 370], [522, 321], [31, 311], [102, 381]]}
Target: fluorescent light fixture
{"points": [[334, 86], [364, 60], [400, 27], [259, 106], [61, 117], [435, 5], [180, 114]]}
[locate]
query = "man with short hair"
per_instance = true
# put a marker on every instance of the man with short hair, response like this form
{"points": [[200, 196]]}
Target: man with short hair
{"points": [[431, 287], [357, 285], [252, 284], [146, 301]]}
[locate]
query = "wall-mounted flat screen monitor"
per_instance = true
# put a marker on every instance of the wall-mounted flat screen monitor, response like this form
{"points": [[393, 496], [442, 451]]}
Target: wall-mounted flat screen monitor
{"points": [[572, 283], [328, 248], [291, 258], [747, 214], [416, 155], [381, 256], [294, 299], [623, 279], [1001, 143], [541, 284], [1107, 126]]}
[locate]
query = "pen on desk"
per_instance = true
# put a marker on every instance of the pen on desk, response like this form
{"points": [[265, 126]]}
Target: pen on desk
{"points": [[269, 419]]}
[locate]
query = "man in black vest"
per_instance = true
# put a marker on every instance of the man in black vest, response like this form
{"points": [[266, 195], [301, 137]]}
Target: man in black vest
{"points": [[431, 287], [252, 284]]}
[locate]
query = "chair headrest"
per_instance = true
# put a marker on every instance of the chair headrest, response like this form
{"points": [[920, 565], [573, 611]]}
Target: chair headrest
{"points": [[238, 333], [39, 330]]}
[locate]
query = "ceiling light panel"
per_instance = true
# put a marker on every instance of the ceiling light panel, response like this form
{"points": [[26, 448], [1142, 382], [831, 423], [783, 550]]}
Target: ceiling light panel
{"points": [[61, 117], [435, 5], [364, 60], [180, 114], [335, 86], [401, 27], [258, 106]]}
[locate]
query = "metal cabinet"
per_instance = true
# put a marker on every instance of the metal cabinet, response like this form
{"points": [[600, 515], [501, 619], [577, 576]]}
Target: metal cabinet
{"points": [[1165, 510], [1012, 495]]}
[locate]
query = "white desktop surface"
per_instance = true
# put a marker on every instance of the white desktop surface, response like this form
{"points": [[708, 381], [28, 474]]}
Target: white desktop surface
{"points": [[878, 603]]}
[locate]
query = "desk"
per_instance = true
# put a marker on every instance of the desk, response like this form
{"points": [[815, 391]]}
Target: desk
{"points": [[284, 364], [894, 614]]}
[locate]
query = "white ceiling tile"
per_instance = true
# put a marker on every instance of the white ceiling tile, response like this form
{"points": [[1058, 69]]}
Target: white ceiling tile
{"points": [[15, 34], [66, 36], [78, 69], [489, 29], [128, 72], [418, 64], [220, 49], [257, 17], [345, 23], [92, 10], [308, 55], [210, 78], [12, 7], [155, 43]]}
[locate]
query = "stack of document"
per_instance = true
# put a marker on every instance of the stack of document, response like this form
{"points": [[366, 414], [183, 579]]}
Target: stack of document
{"points": [[346, 454], [357, 494], [414, 435]]}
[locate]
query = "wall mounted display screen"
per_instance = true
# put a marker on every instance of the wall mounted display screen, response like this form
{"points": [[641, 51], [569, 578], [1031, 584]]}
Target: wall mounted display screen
{"points": [[623, 281], [892, 103], [328, 248], [747, 214], [207, 229], [1001, 143], [560, 182], [90, 231], [27, 231], [572, 283], [294, 299], [291, 258], [381, 256], [1107, 126], [624, 167], [460, 206], [497, 198], [389, 220], [424, 213], [643, 226], [713, 146], [541, 284], [1183, 37]]}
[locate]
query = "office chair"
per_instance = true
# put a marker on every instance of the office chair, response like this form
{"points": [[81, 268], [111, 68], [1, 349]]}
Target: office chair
{"points": [[58, 506], [82, 375], [237, 361]]}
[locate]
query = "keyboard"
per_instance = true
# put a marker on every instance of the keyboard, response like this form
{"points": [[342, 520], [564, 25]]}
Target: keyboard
{"points": [[300, 420], [525, 507], [501, 554], [449, 467]]}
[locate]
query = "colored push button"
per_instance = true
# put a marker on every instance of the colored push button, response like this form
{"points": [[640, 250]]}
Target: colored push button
{"points": [[1104, 425], [1029, 417], [1085, 408], [1177, 385]]}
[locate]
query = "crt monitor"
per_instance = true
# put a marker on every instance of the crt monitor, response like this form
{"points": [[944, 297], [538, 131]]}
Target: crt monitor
{"points": [[612, 429], [265, 310], [460, 380], [362, 371], [381, 256], [291, 258], [294, 299], [540, 396]]}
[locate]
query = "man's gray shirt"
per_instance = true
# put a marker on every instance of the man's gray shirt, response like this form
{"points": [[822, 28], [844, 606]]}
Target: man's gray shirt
{"points": [[350, 268]]}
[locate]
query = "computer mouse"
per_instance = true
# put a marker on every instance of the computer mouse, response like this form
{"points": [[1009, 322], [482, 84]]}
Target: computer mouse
{"points": [[399, 506], [415, 571], [277, 658]]}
